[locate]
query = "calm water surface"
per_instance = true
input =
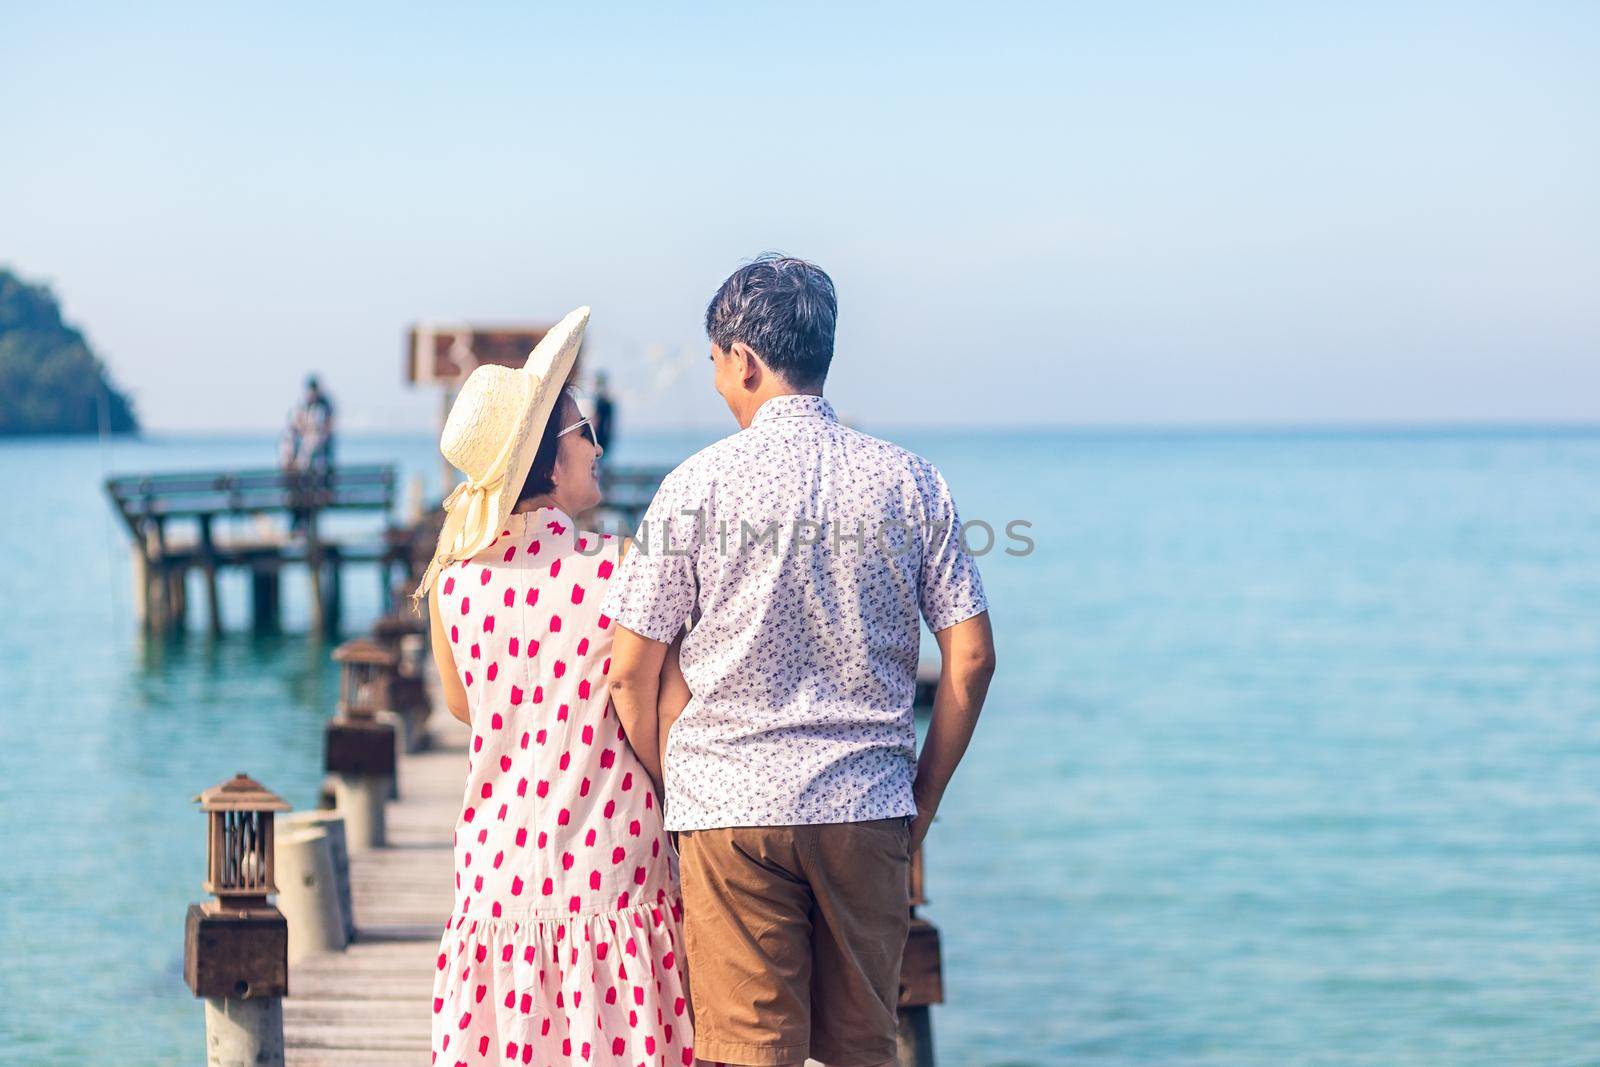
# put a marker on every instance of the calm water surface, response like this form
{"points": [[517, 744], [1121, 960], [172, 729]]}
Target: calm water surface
{"points": [[1292, 756]]}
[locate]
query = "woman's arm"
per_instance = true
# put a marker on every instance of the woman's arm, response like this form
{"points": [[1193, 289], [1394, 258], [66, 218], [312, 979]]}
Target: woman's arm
{"points": [[455, 694], [672, 698]]}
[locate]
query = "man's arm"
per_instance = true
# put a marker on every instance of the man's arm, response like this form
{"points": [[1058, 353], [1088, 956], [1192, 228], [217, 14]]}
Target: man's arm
{"points": [[635, 685], [649, 599], [672, 698], [966, 652]]}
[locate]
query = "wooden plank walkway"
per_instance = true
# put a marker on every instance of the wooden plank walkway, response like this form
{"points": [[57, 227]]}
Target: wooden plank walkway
{"points": [[370, 1004]]}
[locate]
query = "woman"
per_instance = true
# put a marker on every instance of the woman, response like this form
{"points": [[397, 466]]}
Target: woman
{"points": [[564, 945]]}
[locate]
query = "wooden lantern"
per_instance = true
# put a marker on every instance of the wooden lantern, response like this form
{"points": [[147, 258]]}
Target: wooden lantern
{"points": [[364, 683], [239, 844]]}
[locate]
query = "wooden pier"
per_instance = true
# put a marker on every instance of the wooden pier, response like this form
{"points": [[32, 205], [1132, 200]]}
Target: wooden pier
{"points": [[264, 522], [190, 522]]}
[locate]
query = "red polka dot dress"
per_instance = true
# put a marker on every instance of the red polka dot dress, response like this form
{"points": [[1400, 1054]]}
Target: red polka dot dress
{"points": [[564, 945]]}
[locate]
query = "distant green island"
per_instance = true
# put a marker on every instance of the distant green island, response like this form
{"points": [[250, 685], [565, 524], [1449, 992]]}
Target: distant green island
{"points": [[50, 380]]}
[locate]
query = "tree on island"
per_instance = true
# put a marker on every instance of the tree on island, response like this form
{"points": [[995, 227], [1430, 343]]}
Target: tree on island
{"points": [[50, 381]]}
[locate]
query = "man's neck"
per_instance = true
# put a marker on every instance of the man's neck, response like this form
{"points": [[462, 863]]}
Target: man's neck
{"points": [[766, 393]]}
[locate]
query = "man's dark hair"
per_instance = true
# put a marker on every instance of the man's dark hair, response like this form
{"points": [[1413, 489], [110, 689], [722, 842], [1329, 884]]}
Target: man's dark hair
{"points": [[784, 309]]}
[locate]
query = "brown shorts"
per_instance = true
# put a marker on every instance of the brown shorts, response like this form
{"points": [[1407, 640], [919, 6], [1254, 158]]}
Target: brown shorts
{"points": [[794, 937]]}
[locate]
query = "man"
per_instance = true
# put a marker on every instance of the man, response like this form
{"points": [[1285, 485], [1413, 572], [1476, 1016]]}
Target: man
{"points": [[310, 435], [805, 551], [306, 447], [605, 413]]}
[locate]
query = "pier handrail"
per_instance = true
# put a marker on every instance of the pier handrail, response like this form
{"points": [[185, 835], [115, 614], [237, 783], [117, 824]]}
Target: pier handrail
{"points": [[192, 494], [150, 504]]}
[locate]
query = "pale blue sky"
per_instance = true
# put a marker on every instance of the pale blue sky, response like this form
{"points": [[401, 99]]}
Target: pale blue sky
{"points": [[1035, 213]]}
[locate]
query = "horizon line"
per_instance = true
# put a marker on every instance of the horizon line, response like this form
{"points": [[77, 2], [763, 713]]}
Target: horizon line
{"points": [[1199, 427]]}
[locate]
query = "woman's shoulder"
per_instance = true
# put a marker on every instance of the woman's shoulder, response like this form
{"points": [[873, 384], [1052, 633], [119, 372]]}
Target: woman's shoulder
{"points": [[535, 539]]}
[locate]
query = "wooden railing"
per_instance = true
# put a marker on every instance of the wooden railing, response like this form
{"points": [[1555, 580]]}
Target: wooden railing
{"points": [[250, 492]]}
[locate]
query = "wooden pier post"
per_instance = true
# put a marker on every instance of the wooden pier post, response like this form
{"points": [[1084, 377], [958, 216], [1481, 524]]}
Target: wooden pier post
{"points": [[153, 507], [359, 795], [334, 588], [178, 575], [319, 605], [360, 750], [208, 567], [332, 823], [236, 945], [309, 896], [921, 980], [266, 595], [408, 691], [141, 583], [159, 616]]}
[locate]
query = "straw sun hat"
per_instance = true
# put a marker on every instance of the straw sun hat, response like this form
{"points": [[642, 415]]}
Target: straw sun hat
{"points": [[491, 437]]}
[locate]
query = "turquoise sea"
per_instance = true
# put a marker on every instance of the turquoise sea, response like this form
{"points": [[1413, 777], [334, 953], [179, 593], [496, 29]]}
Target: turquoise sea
{"points": [[1292, 756]]}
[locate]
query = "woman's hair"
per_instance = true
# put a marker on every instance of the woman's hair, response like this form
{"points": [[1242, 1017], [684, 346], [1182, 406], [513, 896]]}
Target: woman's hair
{"points": [[540, 478]]}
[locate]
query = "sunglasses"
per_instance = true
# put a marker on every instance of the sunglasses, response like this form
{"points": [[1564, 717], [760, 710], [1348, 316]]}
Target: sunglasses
{"points": [[583, 425]]}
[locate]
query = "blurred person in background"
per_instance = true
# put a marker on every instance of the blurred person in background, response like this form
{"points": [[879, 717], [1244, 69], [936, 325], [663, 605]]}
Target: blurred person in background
{"points": [[309, 439], [605, 412]]}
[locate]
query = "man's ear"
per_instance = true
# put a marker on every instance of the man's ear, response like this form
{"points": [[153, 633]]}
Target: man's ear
{"points": [[748, 365]]}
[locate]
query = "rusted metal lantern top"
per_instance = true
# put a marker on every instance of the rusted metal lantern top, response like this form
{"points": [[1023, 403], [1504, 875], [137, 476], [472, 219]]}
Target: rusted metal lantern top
{"points": [[241, 793], [363, 651], [363, 687], [239, 847], [388, 630]]}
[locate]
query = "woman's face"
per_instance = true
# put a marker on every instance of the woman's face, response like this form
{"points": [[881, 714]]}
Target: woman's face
{"points": [[577, 470]]}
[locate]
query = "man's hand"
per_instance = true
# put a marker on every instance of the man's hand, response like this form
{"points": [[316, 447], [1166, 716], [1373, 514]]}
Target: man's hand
{"points": [[966, 652], [920, 825]]}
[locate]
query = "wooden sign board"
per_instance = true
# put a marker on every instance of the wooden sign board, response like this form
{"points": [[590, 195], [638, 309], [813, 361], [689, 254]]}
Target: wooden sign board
{"points": [[448, 352]]}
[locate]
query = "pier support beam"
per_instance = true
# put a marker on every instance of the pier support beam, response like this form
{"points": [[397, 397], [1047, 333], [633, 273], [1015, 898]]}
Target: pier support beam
{"points": [[360, 754], [308, 892], [360, 800], [141, 585], [208, 568], [915, 1040], [921, 979], [266, 597], [235, 946], [404, 636], [333, 588], [158, 588], [402, 744], [332, 823], [244, 1033], [362, 743], [314, 570], [177, 578]]}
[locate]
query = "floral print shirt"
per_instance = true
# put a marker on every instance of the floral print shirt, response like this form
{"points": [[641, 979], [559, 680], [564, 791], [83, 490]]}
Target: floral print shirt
{"points": [[805, 551]]}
